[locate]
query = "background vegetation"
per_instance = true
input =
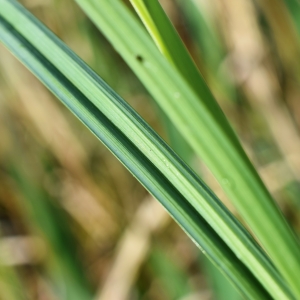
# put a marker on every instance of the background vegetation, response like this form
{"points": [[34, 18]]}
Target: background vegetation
{"points": [[100, 228]]}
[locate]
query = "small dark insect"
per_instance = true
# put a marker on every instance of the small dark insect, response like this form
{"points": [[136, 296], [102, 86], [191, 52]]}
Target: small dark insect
{"points": [[139, 58]]}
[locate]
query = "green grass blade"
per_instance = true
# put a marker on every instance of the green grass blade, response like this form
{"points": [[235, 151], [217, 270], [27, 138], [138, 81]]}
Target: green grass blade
{"points": [[285, 33], [134, 159], [171, 46], [64, 267], [202, 123], [169, 273], [294, 10], [222, 289], [211, 50], [137, 146]]}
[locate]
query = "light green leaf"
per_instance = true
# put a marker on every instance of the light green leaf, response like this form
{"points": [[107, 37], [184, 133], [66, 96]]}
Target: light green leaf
{"points": [[153, 163], [192, 108]]}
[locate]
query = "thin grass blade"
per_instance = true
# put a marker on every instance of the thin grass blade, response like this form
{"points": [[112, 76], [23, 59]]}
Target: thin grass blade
{"points": [[192, 108], [153, 163]]}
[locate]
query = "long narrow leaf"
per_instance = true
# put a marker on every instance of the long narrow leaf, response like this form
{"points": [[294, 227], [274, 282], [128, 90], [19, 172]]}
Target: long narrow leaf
{"points": [[197, 116], [136, 162], [137, 146]]}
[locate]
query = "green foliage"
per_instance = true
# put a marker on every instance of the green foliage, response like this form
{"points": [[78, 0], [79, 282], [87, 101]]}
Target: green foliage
{"points": [[172, 78]]}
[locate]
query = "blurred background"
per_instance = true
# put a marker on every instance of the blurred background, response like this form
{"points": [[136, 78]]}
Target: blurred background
{"points": [[74, 224]]}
